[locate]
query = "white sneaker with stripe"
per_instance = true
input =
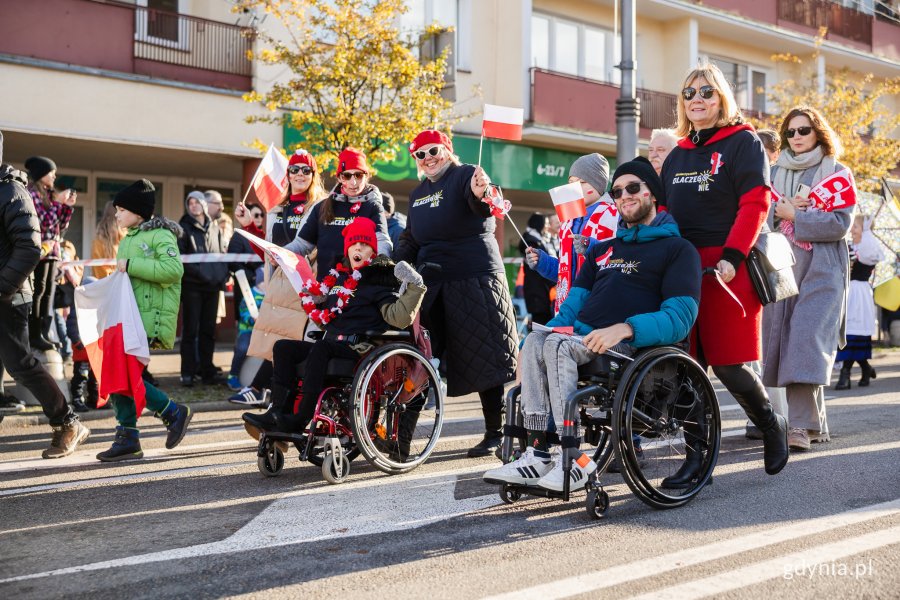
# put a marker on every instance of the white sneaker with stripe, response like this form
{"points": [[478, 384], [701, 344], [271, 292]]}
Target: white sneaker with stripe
{"points": [[527, 470], [582, 467]]}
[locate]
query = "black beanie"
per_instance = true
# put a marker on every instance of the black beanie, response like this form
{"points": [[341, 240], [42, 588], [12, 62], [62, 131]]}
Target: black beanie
{"points": [[139, 198], [38, 166], [641, 168]]}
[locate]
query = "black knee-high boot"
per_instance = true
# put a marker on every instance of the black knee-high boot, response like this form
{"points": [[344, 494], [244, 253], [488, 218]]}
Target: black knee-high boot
{"points": [[750, 393], [867, 373]]}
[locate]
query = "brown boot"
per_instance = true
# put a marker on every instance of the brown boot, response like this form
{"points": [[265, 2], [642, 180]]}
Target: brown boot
{"points": [[66, 438]]}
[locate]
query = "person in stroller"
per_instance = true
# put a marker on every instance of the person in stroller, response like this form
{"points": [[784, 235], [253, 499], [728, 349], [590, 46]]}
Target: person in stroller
{"points": [[364, 293], [647, 264]]}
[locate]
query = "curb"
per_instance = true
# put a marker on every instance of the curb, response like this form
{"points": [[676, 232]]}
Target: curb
{"points": [[15, 421]]}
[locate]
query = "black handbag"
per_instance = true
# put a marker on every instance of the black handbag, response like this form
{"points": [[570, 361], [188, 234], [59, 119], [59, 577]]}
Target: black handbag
{"points": [[770, 265]]}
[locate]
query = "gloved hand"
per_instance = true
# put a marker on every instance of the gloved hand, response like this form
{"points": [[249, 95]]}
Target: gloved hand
{"points": [[407, 274]]}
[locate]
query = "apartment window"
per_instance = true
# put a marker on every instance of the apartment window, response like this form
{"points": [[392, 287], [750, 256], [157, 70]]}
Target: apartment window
{"points": [[574, 48], [449, 13], [747, 82], [157, 22]]}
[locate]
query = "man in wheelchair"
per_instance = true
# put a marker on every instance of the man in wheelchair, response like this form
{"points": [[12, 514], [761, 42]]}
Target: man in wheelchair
{"points": [[640, 289], [365, 293]]}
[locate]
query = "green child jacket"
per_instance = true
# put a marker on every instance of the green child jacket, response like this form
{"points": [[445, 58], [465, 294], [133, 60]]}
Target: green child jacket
{"points": [[155, 270]]}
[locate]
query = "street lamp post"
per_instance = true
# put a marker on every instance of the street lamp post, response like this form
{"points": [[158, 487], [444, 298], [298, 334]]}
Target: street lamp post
{"points": [[628, 106]]}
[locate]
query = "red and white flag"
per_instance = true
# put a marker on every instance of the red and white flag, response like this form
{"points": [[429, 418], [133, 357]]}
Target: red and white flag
{"points": [[836, 191], [271, 180], [568, 200], [502, 122], [295, 267], [114, 337]]}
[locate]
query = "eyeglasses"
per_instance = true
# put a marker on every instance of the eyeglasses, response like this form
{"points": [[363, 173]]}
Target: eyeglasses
{"points": [[706, 92], [632, 188], [433, 151], [294, 169], [804, 131], [348, 175]]}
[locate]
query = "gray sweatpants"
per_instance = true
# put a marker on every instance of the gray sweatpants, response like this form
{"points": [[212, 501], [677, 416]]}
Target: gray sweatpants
{"points": [[806, 406], [548, 365]]}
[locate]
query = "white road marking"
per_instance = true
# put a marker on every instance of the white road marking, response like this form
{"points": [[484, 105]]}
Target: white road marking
{"points": [[612, 576], [411, 500], [796, 565]]}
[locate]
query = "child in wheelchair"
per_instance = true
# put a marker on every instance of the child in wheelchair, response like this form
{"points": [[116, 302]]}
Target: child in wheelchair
{"points": [[364, 293]]}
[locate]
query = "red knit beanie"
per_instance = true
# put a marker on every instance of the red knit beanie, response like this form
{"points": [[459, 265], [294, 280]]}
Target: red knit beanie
{"points": [[360, 230], [351, 159], [302, 157], [428, 137]]}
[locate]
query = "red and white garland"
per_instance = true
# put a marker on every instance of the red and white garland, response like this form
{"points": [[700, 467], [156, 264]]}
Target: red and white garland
{"points": [[321, 316]]}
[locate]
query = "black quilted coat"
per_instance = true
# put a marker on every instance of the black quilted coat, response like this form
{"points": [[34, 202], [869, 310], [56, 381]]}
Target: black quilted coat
{"points": [[467, 307]]}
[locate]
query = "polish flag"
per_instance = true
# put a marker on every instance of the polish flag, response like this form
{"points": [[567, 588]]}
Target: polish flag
{"points": [[568, 200], [114, 337], [502, 122], [295, 267], [271, 179]]}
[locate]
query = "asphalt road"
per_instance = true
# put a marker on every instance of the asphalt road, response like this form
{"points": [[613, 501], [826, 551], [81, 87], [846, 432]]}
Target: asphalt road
{"points": [[200, 521]]}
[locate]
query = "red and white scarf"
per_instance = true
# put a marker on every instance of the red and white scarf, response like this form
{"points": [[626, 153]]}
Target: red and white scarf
{"points": [[601, 225]]}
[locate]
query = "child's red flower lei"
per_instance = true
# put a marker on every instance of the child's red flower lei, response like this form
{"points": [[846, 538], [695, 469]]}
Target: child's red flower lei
{"points": [[322, 316]]}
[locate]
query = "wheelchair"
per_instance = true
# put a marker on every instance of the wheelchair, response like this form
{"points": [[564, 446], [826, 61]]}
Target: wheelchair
{"points": [[387, 406], [660, 398]]}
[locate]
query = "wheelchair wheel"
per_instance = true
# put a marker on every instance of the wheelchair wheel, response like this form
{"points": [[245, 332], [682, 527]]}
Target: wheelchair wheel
{"points": [[597, 503], [394, 425], [272, 462], [333, 406], [667, 403], [329, 468], [603, 453], [509, 494]]}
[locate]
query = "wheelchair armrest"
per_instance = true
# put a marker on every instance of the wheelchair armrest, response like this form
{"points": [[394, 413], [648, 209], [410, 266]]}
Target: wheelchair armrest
{"points": [[389, 335]]}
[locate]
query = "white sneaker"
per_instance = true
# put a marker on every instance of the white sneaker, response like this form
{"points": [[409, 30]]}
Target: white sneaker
{"points": [[578, 475], [527, 470]]}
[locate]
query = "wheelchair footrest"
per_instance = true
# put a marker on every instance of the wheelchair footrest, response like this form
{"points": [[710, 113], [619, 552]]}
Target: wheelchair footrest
{"points": [[533, 490]]}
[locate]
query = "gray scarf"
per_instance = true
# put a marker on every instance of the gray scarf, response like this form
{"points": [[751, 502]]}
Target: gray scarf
{"points": [[439, 174], [786, 178]]}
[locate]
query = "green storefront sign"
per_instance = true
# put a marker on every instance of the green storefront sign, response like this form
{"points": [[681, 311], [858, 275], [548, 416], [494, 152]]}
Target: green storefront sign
{"points": [[513, 166]]}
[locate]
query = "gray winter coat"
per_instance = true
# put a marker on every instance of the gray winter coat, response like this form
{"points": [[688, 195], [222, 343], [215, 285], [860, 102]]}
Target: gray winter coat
{"points": [[801, 334]]}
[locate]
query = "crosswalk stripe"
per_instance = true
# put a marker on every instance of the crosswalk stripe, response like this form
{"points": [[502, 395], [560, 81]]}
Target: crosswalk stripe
{"points": [[795, 565], [639, 569]]}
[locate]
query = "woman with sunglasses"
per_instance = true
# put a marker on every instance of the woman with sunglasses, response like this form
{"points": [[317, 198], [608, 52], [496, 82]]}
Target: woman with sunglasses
{"points": [[282, 316], [717, 189], [352, 197], [467, 308], [802, 333]]}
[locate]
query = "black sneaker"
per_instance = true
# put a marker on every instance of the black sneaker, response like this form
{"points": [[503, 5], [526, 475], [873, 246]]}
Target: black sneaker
{"points": [[79, 406], [490, 442], [187, 381], [9, 404]]}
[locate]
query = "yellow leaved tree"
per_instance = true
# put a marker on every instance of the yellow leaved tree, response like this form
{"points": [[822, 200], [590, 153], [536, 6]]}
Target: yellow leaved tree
{"points": [[353, 78], [855, 107]]}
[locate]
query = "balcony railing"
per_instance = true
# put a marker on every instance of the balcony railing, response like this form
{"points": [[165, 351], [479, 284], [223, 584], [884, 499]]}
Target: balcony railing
{"points": [[657, 109], [191, 42], [840, 20]]}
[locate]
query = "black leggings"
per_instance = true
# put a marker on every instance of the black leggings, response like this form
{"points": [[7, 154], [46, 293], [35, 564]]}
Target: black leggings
{"points": [[44, 289], [263, 377], [287, 354]]}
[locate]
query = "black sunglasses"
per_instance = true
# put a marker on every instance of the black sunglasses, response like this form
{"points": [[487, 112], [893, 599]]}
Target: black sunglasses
{"points": [[632, 188], [294, 169], [433, 151], [256, 215], [706, 92], [804, 131]]}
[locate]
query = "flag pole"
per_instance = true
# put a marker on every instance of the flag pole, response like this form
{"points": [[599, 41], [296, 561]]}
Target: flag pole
{"points": [[480, 145], [511, 222]]}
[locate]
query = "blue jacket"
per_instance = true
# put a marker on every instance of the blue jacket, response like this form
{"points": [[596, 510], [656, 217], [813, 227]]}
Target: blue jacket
{"points": [[677, 286]]}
